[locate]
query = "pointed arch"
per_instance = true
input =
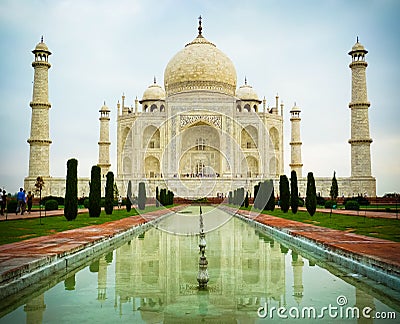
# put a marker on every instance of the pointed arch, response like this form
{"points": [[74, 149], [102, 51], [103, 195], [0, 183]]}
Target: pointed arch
{"points": [[274, 136], [151, 137]]}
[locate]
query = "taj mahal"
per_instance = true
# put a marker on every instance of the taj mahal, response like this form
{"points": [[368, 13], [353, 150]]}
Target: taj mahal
{"points": [[201, 134]]}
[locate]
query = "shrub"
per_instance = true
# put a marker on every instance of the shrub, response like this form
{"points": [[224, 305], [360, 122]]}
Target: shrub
{"points": [[60, 200], [320, 201], [95, 192], [11, 206], [352, 205], [301, 202], [71, 191], [109, 199], [86, 203], [51, 205], [330, 203]]}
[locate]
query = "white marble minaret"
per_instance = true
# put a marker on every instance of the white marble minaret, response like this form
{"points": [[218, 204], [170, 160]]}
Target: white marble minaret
{"points": [[104, 142], [360, 140], [295, 142], [39, 139]]}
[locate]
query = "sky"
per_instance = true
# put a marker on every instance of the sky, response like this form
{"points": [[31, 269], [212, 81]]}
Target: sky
{"points": [[297, 49]]}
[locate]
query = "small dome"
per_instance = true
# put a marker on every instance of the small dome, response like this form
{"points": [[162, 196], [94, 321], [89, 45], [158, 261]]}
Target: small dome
{"points": [[104, 108], [295, 109], [358, 47], [154, 92], [41, 47], [246, 92]]}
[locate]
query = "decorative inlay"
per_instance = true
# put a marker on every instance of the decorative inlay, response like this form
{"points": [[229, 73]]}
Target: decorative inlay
{"points": [[186, 120]]}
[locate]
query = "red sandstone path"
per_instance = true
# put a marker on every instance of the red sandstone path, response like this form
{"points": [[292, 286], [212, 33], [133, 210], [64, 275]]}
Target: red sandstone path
{"points": [[20, 258]]}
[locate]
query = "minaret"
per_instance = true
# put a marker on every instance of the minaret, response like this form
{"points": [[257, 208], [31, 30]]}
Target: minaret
{"points": [[295, 143], [297, 265], [360, 140], [39, 139], [104, 142]]}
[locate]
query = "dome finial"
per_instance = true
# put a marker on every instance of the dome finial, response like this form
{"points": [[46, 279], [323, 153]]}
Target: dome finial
{"points": [[41, 40], [357, 39], [200, 28], [245, 80], [155, 81]]}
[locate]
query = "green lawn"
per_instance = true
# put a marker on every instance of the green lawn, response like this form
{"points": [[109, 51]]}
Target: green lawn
{"points": [[18, 230], [384, 228]]}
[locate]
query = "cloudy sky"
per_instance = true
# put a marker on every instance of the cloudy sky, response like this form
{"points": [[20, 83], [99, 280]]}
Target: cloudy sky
{"points": [[295, 48]]}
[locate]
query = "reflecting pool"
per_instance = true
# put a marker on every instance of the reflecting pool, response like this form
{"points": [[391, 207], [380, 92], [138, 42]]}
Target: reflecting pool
{"points": [[253, 279]]}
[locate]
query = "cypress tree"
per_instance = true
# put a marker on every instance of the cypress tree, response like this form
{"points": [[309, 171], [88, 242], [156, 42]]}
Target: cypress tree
{"points": [[142, 196], [262, 197], [95, 192], [241, 197], [129, 197], [230, 198], [157, 198], [284, 193], [71, 191], [256, 189], [334, 187], [311, 195], [246, 200], [109, 199], [271, 198], [294, 192]]}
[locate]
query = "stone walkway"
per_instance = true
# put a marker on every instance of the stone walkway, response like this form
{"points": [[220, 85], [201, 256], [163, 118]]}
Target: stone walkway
{"points": [[18, 259], [383, 254]]}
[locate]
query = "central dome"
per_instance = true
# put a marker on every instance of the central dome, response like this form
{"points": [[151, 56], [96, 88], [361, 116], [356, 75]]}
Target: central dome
{"points": [[200, 66]]}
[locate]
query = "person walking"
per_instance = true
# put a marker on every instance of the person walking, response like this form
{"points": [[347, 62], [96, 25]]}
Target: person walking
{"points": [[20, 201], [29, 200], [3, 201]]}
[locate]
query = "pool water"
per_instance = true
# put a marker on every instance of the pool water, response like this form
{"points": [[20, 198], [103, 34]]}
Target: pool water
{"points": [[152, 279]]}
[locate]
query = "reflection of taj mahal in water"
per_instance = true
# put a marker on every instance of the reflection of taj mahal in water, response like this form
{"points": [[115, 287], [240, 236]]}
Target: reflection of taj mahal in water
{"points": [[200, 134], [155, 276]]}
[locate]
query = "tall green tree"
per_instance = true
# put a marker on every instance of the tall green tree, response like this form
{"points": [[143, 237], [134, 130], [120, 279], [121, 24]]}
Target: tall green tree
{"points": [[284, 193], [256, 189], [294, 192], [271, 197], [334, 193], [142, 196], [246, 200], [109, 199], [129, 197], [157, 198], [311, 195], [71, 190], [95, 192]]}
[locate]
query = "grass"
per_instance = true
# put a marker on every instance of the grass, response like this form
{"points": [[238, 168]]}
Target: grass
{"points": [[383, 228], [18, 230], [23, 229]]}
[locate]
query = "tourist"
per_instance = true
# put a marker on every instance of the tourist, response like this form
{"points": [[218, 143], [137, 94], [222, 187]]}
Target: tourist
{"points": [[29, 200], [20, 200], [119, 202], [3, 201]]}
